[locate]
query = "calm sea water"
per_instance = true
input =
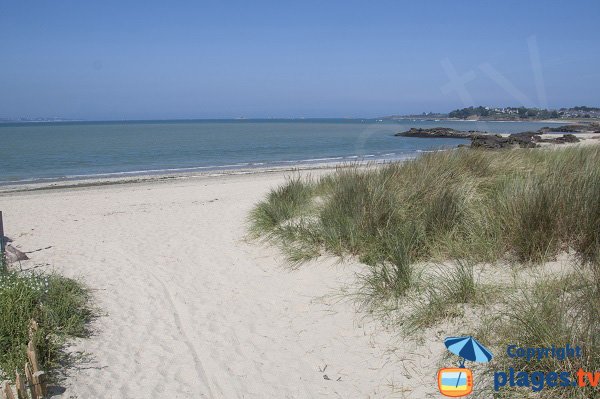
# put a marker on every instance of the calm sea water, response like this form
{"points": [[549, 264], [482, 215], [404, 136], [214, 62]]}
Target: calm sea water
{"points": [[72, 150]]}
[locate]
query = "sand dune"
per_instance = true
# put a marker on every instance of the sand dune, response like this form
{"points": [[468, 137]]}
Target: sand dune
{"points": [[193, 310]]}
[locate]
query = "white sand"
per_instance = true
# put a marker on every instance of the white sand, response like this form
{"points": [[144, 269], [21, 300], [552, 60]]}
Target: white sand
{"points": [[192, 310]]}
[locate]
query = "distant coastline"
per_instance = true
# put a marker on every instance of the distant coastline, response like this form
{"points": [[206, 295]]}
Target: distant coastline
{"points": [[447, 119], [577, 114]]}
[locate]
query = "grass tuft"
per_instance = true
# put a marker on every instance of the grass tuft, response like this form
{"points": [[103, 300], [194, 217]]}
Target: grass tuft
{"points": [[555, 311], [281, 205], [444, 295]]}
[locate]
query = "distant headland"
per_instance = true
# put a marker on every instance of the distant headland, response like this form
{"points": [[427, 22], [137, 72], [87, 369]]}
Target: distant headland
{"points": [[508, 114]]}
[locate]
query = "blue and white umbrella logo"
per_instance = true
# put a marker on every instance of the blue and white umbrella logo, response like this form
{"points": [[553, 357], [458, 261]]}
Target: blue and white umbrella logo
{"points": [[468, 348], [455, 382]]}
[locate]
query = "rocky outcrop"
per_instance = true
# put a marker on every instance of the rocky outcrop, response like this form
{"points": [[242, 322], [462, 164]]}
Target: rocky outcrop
{"points": [[590, 128], [521, 140], [565, 138], [489, 141], [439, 132], [494, 141]]}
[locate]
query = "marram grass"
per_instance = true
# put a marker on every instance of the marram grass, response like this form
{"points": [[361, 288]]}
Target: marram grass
{"points": [[524, 206], [453, 210]]}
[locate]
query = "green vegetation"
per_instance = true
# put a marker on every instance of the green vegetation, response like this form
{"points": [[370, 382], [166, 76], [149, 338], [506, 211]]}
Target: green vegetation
{"points": [[585, 108], [59, 305], [516, 112], [424, 227]]}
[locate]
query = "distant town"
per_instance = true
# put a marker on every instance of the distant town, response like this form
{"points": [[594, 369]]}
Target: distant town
{"points": [[53, 119], [508, 113]]}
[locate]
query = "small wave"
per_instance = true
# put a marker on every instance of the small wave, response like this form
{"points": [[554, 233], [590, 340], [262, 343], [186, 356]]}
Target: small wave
{"points": [[310, 160], [137, 172], [241, 165]]}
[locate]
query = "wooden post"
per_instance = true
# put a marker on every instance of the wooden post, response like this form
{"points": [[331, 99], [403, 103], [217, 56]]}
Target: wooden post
{"points": [[1, 235], [21, 391], [29, 376], [8, 391], [33, 357], [39, 380], [38, 377], [33, 327]]}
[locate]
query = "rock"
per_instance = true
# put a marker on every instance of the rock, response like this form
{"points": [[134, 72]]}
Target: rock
{"points": [[569, 129], [437, 132], [522, 140], [491, 141], [565, 138], [569, 138], [530, 136], [494, 142]]}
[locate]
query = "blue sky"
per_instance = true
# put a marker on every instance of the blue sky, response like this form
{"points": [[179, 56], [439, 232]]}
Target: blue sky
{"points": [[219, 59]]}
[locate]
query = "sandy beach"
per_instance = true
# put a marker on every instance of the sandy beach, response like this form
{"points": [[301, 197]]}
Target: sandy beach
{"points": [[297, 200], [190, 308]]}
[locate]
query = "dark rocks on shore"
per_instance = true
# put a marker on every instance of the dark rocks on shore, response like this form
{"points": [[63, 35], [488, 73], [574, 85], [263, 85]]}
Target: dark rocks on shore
{"points": [[566, 138], [438, 132], [521, 140], [493, 141], [489, 141], [568, 129], [593, 127]]}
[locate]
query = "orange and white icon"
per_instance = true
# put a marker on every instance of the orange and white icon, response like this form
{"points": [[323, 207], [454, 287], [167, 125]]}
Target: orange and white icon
{"points": [[455, 382]]}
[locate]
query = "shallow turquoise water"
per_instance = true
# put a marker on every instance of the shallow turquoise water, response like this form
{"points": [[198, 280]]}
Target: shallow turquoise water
{"points": [[71, 150]]}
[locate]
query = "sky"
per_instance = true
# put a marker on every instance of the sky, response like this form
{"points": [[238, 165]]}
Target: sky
{"points": [[113, 60]]}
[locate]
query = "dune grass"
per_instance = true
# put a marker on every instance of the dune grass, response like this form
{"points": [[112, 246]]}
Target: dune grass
{"points": [[59, 305], [552, 311], [457, 209], [525, 206]]}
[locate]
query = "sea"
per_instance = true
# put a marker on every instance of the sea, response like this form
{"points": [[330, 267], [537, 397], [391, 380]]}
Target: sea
{"points": [[53, 151]]}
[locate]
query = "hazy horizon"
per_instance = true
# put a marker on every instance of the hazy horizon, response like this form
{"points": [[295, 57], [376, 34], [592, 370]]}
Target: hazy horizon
{"points": [[58, 119], [205, 60]]}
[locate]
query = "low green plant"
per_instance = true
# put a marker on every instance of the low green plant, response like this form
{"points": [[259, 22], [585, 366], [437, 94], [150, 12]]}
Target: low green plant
{"points": [[59, 305]]}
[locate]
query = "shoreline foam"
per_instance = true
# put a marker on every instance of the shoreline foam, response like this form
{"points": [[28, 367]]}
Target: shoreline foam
{"points": [[104, 180]]}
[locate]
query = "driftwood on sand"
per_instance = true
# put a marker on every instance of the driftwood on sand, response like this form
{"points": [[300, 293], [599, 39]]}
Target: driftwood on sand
{"points": [[12, 254]]}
